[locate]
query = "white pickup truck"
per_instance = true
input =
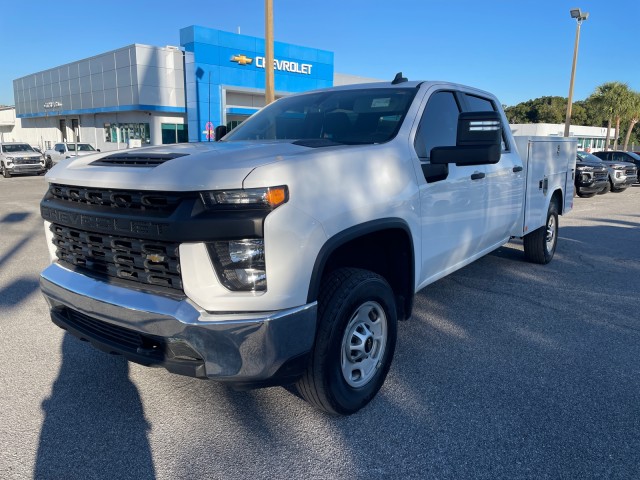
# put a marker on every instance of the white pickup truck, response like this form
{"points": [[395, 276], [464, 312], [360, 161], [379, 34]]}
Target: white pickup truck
{"points": [[287, 252], [62, 151]]}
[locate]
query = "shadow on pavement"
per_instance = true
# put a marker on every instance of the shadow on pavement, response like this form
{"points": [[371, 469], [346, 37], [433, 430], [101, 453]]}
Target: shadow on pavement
{"points": [[94, 424], [17, 291], [15, 217]]}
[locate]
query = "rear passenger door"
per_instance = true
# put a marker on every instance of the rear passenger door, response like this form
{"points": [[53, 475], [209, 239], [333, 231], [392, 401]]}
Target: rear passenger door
{"points": [[504, 181], [453, 199]]}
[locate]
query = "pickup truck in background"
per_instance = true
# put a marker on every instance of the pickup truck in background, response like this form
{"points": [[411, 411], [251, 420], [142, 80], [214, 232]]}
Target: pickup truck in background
{"points": [[287, 252], [61, 151], [591, 177], [20, 158], [623, 168]]}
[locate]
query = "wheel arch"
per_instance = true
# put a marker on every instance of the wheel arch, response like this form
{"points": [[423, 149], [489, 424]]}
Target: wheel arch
{"points": [[558, 199], [383, 246]]}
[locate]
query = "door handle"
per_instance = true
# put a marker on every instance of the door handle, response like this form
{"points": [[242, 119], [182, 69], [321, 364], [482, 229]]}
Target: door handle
{"points": [[477, 176], [517, 169]]}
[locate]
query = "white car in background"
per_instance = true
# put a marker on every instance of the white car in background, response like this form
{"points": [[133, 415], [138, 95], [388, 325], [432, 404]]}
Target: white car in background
{"points": [[61, 151], [20, 158]]}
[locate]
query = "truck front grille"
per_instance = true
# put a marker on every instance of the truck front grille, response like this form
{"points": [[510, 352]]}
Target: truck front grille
{"points": [[130, 199], [145, 262], [26, 161], [630, 171], [600, 175]]}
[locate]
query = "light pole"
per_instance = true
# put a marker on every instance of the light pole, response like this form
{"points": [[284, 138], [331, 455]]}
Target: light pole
{"points": [[269, 91], [580, 17]]}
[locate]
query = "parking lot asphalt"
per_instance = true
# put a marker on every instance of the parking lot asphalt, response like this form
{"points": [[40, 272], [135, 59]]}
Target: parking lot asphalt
{"points": [[506, 370]]}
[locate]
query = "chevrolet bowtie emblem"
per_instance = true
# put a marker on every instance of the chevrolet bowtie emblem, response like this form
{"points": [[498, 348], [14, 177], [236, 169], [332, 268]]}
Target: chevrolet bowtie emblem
{"points": [[242, 59], [155, 258]]}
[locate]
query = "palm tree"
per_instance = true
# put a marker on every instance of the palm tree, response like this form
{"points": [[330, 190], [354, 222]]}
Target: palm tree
{"points": [[634, 116], [611, 100]]}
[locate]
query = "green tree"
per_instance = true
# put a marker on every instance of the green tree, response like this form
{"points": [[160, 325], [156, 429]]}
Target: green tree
{"points": [[633, 115], [538, 110], [612, 101]]}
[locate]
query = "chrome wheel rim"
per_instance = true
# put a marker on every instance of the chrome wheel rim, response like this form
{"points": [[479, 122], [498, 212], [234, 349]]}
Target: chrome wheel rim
{"points": [[551, 233], [363, 344]]}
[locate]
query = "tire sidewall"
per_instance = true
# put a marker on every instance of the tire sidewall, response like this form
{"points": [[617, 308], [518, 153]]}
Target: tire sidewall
{"points": [[553, 212], [346, 398]]}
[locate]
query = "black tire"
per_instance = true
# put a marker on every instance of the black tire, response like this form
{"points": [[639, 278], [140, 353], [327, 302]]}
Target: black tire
{"points": [[540, 245], [618, 190], [351, 301], [586, 195], [606, 189], [5, 172]]}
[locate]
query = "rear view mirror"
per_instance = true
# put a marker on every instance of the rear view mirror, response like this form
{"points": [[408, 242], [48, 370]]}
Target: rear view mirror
{"points": [[478, 141]]}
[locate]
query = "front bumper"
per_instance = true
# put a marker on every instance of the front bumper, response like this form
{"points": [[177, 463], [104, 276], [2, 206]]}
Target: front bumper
{"points": [[624, 181], [591, 185], [17, 169], [247, 349]]}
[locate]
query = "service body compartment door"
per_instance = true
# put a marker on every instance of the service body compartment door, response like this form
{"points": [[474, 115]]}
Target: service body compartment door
{"points": [[549, 163]]}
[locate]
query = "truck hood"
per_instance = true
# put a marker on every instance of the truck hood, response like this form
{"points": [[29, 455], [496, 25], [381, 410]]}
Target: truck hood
{"points": [[614, 164], [182, 167], [22, 155], [591, 166]]}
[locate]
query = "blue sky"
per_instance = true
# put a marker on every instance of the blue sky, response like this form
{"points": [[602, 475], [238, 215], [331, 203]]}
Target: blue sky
{"points": [[517, 49]]}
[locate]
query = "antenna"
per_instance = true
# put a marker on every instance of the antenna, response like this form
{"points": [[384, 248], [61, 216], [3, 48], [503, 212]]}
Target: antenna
{"points": [[398, 79]]}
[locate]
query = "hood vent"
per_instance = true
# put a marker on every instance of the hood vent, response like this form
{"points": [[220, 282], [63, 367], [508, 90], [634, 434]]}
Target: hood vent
{"points": [[136, 159]]}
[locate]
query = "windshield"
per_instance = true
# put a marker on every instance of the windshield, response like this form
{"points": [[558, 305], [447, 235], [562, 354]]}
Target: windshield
{"points": [[351, 117], [82, 147], [18, 147], [587, 157]]}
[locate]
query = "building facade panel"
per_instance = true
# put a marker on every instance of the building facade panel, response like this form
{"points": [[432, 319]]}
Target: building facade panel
{"points": [[158, 94]]}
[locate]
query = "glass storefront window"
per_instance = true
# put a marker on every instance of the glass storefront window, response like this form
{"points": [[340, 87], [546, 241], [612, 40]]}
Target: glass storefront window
{"points": [[174, 133], [124, 132]]}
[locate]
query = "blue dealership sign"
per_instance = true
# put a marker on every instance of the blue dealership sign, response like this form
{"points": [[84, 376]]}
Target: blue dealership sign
{"points": [[220, 62]]}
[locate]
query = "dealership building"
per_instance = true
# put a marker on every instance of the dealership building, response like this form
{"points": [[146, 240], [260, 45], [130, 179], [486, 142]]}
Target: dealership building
{"points": [[144, 95]]}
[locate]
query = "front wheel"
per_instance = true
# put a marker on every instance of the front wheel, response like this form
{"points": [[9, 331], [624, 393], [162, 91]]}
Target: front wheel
{"points": [[5, 172], [586, 195], [355, 342], [607, 188], [540, 245]]}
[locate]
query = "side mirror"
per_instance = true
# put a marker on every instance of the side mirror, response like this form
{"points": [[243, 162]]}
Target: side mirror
{"points": [[220, 131], [98, 150], [478, 141]]}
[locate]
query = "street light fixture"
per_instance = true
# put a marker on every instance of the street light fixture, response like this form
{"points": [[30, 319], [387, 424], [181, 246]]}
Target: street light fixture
{"points": [[580, 17]]}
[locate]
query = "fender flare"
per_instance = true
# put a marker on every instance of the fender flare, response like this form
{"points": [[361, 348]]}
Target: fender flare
{"points": [[351, 233]]}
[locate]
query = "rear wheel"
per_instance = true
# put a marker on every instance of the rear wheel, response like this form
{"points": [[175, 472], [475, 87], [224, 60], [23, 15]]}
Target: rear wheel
{"points": [[355, 342], [540, 245]]}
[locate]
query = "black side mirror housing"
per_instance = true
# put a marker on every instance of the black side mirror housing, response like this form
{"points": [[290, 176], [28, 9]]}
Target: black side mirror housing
{"points": [[220, 131], [478, 141]]}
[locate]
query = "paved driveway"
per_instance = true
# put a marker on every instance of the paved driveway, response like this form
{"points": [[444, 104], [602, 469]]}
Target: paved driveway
{"points": [[507, 370]]}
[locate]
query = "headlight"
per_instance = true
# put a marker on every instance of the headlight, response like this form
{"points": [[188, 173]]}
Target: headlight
{"points": [[269, 197], [240, 264]]}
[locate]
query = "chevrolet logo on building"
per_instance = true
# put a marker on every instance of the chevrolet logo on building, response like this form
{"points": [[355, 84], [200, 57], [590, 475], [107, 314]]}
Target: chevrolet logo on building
{"points": [[242, 59]]}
